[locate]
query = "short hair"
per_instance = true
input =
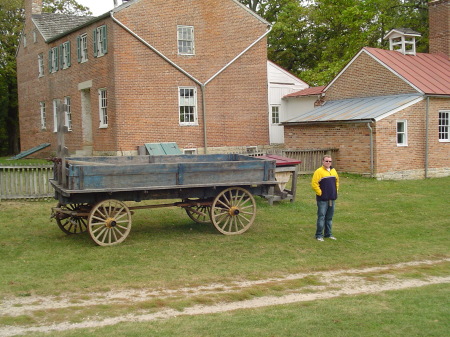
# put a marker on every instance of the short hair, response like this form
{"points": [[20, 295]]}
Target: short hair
{"points": [[326, 156]]}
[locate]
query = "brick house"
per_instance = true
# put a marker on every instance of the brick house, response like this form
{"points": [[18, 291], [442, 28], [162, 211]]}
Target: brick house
{"points": [[387, 112], [147, 71]]}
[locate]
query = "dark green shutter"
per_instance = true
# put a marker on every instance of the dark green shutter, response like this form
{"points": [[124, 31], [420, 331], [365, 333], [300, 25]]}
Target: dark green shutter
{"points": [[68, 54], [50, 60], [95, 43], [105, 39], [79, 49]]}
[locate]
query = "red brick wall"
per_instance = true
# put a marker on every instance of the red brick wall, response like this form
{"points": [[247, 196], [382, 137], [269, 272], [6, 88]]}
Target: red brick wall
{"points": [[365, 78], [143, 88], [439, 34]]}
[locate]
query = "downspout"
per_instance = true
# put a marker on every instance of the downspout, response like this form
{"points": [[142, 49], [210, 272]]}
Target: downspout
{"points": [[426, 135], [202, 85], [371, 151]]}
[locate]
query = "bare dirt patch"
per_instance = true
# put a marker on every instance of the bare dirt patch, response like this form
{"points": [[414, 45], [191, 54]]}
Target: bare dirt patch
{"points": [[326, 285]]}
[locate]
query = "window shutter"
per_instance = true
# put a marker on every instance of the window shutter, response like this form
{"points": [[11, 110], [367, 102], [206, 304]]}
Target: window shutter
{"points": [[61, 56], [79, 49], [95, 43], [68, 54], [50, 61], [105, 40]]}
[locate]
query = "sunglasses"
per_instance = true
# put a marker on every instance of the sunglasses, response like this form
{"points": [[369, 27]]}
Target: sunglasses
{"points": [[328, 161]]}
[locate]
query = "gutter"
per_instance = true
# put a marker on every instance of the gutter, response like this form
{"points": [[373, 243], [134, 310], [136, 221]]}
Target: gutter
{"points": [[371, 120], [202, 85]]}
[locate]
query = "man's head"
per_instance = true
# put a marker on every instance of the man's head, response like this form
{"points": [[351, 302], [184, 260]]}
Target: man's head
{"points": [[326, 161]]}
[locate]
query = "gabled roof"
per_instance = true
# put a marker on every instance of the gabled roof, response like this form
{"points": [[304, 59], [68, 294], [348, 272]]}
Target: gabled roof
{"points": [[313, 91], [357, 109], [427, 73], [403, 31], [51, 25]]}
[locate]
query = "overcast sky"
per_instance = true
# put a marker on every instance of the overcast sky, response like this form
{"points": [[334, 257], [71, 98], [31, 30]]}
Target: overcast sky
{"points": [[99, 7]]}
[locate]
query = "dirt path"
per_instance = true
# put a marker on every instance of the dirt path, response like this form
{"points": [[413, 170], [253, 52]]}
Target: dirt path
{"points": [[327, 285]]}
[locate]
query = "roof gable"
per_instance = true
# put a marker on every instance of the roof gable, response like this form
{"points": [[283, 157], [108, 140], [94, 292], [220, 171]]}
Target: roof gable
{"points": [[307, 92], [427, 73]]}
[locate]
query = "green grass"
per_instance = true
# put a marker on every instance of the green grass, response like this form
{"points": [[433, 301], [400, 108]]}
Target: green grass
{"points": [[23, 161], [409, 313], [376, 223]]}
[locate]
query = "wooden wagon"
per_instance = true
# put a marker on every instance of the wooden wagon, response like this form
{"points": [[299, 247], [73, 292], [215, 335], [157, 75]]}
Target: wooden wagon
{"points": [[218, 189]]}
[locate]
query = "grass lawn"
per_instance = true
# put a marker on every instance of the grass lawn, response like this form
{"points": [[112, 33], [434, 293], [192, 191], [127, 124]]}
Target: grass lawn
{"points": [[376, 223]]}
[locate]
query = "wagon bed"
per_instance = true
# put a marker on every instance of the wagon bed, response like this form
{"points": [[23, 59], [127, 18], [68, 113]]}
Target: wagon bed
{"points": [[213, 188]]}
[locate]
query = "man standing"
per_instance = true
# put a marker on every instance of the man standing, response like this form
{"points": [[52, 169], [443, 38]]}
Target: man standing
{"points": [[325, 183]]}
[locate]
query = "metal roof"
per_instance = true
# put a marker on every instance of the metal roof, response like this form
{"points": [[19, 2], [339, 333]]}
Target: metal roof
{"points": [[429, 73], [357, 109]]}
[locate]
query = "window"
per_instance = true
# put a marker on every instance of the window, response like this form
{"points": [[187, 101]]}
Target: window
{"points": [[188, 106], [103, 108], [275, 114], [65, 55], [41, 64], [43, 116], [82, 48], [53, 59], [24, 38], [444, 117], [402, 135], [67, 114], [34, 36], [55, 115], [185, 40], [100, 41], [190, 151]]}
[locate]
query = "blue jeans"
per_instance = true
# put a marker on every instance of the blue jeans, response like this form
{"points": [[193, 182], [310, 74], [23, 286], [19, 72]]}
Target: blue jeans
{"points": [[325, 212]]}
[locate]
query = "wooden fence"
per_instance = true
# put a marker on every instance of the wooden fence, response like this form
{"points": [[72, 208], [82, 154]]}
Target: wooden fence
{"points": [[310, 159], [25, 182]]}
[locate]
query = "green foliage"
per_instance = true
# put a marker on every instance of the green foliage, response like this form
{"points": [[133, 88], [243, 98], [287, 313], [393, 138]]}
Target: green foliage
{"points": [[316, 39], [65, 7]]}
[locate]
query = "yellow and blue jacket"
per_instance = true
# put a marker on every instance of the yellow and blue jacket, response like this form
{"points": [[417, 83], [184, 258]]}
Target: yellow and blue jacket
{"points": [[325, 183]]}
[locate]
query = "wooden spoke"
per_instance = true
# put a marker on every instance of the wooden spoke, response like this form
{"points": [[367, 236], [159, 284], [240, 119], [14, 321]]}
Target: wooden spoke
{"points": [[72, 224], [109, 222], [233, 211], [199, 213]]}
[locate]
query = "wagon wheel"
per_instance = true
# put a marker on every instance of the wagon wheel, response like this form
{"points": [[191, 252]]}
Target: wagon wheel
{"points": [[200, 214], [109, 222], [233, 211], [70, 224]]}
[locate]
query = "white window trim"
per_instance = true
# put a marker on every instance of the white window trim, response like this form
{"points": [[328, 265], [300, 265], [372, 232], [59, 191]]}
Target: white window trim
{"points": [[405, 133], [65, 57], [83, 48], [180, 29], [68, 113], [190, 151], [195, 122], [101, 41], [41, 64], [54, 60], [271, 113], [103, 108], [443, 140], [42, 109]]}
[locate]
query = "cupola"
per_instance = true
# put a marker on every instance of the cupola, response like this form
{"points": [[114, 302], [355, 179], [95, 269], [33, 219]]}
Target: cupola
{"points": [[402, 40]]}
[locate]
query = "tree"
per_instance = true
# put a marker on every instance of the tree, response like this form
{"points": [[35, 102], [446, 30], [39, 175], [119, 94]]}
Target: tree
{"points": [[11, 25]]}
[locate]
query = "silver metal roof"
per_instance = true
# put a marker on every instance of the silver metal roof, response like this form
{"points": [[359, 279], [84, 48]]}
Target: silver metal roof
{"points": [[357, 109]]}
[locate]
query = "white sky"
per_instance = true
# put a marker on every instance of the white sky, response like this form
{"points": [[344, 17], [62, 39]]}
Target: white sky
{"points": [[99, 7]]}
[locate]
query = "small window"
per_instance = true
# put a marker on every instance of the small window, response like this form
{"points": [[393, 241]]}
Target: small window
{"points": [[34, 36], [65, 55], [275, 114], [103, 108], [190, 151], [67, 114], [185, 40], [43, 116], [53, 59], [402, 135], [82, 48], [41, 64], [100, 41], [187, 105], [24, 39], [444, 134]]}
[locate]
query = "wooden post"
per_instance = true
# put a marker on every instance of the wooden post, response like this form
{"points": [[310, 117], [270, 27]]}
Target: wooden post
{"points": [[61, 150]]}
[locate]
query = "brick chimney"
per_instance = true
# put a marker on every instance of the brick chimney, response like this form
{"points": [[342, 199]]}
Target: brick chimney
{"points": [[439, 34]]}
